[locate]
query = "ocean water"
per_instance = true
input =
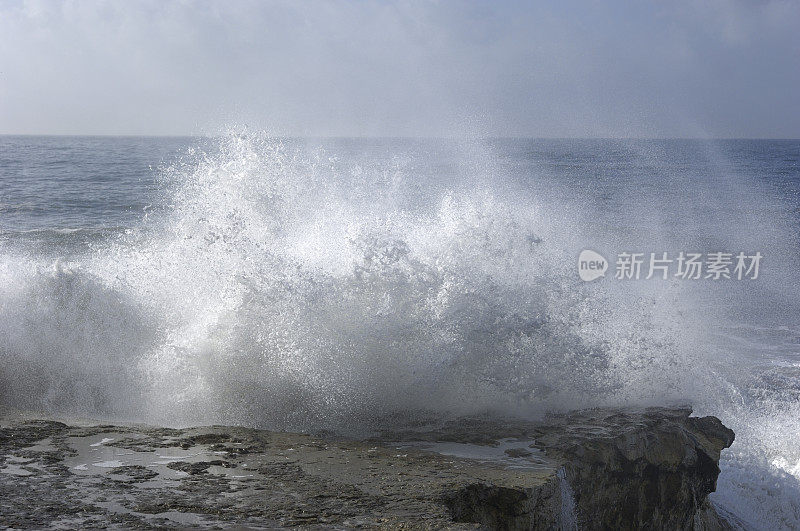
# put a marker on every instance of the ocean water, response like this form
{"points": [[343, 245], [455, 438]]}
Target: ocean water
{"points": [[346, 284]]}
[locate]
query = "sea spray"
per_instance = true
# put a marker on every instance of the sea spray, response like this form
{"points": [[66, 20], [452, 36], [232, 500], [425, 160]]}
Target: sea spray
{"points": [[285, 286], [281, 288]]}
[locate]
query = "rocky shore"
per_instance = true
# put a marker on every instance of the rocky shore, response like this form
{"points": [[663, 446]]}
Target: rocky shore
{"points": [[598, 469]]}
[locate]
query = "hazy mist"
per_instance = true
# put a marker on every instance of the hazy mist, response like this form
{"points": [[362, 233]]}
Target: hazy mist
{"points": [[402, 68]]}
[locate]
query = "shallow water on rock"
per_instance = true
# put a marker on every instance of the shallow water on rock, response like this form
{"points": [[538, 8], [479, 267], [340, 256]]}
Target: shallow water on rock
{"points": [[510, 453]]}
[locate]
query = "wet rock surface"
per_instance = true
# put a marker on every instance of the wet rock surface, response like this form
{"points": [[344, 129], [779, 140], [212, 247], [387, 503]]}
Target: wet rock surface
{"points": [[598, 469]]}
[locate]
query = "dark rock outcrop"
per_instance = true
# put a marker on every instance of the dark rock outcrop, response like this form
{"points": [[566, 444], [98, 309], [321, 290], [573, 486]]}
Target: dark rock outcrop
{"points": [[632, 470]]}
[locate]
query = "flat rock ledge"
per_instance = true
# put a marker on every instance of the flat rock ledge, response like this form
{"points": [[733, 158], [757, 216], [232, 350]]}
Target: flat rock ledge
{"points": [[597, 469]]}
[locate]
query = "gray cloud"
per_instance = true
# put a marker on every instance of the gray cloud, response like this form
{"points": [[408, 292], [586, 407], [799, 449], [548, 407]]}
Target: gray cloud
{"points": [[574, 68]]}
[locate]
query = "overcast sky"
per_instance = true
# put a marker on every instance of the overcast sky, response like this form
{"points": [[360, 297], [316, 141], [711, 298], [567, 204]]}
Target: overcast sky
{"points": [[402, 68]]}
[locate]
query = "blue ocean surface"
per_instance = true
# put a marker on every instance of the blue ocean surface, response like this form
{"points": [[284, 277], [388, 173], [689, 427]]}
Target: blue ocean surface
{"points": [[331, 283]]}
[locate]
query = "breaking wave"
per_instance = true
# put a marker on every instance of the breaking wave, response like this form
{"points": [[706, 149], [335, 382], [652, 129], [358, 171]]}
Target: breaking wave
{"points": [[282, 287]]}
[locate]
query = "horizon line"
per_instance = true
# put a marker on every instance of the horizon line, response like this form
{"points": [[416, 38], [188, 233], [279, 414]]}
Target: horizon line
{"points": [[400, 137]]}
